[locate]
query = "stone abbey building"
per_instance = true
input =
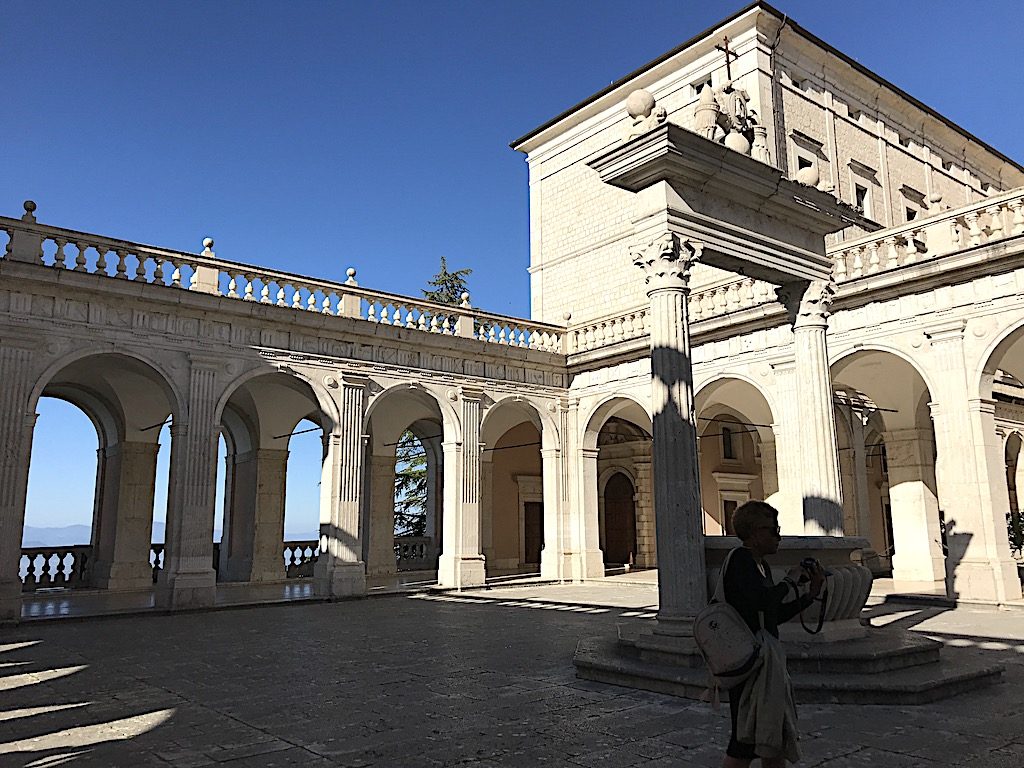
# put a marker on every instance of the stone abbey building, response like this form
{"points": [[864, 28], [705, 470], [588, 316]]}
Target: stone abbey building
{"points": [[816, 271]]}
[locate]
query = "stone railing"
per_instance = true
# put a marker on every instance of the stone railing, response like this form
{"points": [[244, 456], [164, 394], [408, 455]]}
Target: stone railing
{"points": [[55, 567], [28, 241], [706, 303], [300, 557], [986, 221], [415, 553]]}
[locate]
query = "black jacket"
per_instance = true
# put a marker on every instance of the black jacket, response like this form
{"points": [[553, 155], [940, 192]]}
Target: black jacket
{"points": [[749, 592]]}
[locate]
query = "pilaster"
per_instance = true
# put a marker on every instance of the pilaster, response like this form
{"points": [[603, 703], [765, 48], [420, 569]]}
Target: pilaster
{"points": [[16, 425], [339, 570], [188, 579], [461, 563]]}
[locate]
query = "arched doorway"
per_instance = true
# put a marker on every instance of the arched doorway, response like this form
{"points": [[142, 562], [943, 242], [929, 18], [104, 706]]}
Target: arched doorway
{"points": [[619, 516]]}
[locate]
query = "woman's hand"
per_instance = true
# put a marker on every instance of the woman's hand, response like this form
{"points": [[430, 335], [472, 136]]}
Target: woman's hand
{"points": [[817, 576]]}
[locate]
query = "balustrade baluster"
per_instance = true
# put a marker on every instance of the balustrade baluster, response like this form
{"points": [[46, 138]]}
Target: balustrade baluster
{"points": [[410, 318], [232, 286], [732, 296], [176, 275], [839, 265], [422, 322], [140, 267], [396, 317], [973, 227], [311, 301], [995, 224], [858, 263], [248, 296], [281, 296], [297, 298], [1017, 224], [158, 271], [32, 576], [892, 253], [325, 305], [746, 290], [58, 255], [101, 261], [121, 270], [80, 259], [874, 263], [265, 293], [910, 247], [193, 281]]}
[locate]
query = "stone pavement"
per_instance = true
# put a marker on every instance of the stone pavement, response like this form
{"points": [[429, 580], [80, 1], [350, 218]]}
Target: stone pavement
{"points": [[480, 679]]}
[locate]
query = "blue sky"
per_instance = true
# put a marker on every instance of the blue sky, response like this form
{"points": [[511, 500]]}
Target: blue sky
{"points": [[314, 136]]}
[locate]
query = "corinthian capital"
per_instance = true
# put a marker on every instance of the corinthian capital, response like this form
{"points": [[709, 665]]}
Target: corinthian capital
{"points": [[808, 302], [667, 261]]}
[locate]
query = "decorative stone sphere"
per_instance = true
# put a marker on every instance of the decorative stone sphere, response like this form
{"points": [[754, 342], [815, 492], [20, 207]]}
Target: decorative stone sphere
{"points": [[640, 103], [208, 242], [465, 296], [30, 206], [567, 316], [808, 176], [737, 142], [351, 271]]}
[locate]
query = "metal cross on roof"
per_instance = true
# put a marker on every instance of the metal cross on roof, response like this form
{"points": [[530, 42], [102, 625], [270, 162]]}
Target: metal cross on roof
{"points": [[725, 48]]}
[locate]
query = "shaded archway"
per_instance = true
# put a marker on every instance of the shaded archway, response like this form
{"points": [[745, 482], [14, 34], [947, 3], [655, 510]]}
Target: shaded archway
{"points": [[393, 413], [259, 418], [618, 519], [617, 440], [736, 450], [128, 401], [884, 400]]}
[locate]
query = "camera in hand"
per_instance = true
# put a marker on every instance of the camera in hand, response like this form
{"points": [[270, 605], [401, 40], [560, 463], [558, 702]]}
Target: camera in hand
{"points": [[809, 564]]}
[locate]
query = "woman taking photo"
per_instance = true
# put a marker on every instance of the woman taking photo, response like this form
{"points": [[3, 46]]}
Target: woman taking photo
{"points": [[762, 710]]}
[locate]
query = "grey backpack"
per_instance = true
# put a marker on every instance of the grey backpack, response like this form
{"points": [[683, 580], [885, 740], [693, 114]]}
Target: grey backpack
{"points": [[731, 651]]}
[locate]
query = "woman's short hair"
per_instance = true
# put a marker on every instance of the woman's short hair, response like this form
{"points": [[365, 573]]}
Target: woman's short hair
{"points": [[750, 514]]}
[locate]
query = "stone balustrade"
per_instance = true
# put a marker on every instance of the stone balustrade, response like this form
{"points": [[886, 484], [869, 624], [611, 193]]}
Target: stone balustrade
{"points": [[65, 249], [926, 239], [67, 567], [54, 567]]}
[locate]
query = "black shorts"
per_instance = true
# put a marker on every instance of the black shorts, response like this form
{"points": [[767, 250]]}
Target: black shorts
{"points": [[738, 749]]}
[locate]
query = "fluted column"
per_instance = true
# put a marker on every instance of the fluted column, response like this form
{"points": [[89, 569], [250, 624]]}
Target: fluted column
{"points": [[123, 526], [461, 563], [666, 262], [809, 304], [187, 579], [340, 570], [16, 425]]}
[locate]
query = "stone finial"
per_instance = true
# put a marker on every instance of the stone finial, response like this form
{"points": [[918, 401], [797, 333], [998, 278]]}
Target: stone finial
{"points": [[30, 209], [351, 275], [934, 202], [567, 316], [208, 246], [465, 301], [809, 176], [667, 261], [644, 113], [706, 114]]}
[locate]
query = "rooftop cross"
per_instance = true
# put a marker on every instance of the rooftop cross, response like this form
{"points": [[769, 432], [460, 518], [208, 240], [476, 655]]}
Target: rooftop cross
{"points": [[725, 48]]}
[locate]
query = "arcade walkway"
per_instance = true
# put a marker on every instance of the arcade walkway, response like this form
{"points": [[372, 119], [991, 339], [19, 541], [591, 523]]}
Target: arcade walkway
{"points": [[428, 679]]}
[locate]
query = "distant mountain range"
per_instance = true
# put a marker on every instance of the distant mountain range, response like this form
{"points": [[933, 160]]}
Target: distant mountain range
{"points": [[67, 535]]}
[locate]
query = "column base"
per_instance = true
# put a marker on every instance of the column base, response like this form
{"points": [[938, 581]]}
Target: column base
{"points": [[556, 566], [342, 580], [991, 581], [587, 564], [460, 571], [122, 576], [184, 591]]}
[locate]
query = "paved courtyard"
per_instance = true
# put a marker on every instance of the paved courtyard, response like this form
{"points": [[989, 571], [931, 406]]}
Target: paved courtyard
{"points": [[484, 679]]}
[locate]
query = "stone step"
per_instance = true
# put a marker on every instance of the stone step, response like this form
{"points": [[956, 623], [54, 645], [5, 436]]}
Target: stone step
{"points": [[883, 650], [606, 660]]}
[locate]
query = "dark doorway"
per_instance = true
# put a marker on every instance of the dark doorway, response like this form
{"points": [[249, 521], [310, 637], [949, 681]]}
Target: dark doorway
{"points": [[533, 531], [619, 520]]}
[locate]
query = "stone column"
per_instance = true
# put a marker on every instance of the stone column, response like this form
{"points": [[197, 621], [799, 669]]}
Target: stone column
{"points": [[788, 495], [666, 262], [915, 509], [16, 424], [486, 506], [860, 474], [253, 539], [808, 304], [380, 556], [461, 564], [123, 529], [187, 579], [554, 563], [581, 524], [972, 492], [339, 570]]}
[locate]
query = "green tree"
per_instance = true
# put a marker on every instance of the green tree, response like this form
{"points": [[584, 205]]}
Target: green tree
{"points": [[447, 287], [410, 486]]}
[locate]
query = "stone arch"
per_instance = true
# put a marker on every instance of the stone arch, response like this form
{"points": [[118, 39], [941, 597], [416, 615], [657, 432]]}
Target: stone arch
{"points": [[327, 405], [128, 400], [616, 435], [1004, 353], [890, 487], [736, 448], [449, 418]]}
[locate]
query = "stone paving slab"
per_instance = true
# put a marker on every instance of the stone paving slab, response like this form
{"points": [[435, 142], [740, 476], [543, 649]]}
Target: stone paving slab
{"points": [[482, 679]]}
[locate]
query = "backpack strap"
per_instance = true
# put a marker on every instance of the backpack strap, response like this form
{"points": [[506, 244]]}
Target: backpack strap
{"points": [[719, 594]]}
